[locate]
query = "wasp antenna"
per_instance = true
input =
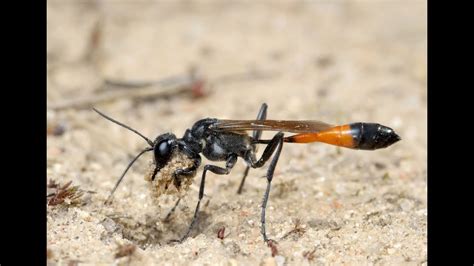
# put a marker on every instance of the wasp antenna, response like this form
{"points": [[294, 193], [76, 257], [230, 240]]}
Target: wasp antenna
{"points": [[109, 199], [125, 126]]}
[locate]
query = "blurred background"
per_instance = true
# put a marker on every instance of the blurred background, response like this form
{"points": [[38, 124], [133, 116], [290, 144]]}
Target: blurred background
{"points": [[159, 66]]}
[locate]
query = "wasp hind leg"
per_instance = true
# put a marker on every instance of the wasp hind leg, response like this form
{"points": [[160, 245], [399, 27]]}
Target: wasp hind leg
{"points": [[262, 115], [274, 148], [270, 172]]}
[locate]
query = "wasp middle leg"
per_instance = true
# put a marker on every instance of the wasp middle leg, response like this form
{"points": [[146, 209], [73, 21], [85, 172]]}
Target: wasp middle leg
{"points": [[262, 115]]}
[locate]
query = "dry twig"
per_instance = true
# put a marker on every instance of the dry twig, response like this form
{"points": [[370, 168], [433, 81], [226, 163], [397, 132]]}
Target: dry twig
{"points": [[297, 229], [309, 255], [191, 83]]}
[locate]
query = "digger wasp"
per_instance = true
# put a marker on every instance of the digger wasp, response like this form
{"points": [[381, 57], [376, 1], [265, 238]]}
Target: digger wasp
{"points": [[227, 140]]}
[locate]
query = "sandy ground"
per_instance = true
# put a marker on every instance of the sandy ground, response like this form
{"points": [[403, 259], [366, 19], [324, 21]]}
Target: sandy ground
{"points": [[337, 62]]}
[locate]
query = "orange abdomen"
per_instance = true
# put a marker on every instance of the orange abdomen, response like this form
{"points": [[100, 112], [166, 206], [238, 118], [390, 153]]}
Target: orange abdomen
{"points": [[338, 135]]}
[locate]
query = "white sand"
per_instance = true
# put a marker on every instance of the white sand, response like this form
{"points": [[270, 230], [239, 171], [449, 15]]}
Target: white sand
{"points": [[342, 62]]}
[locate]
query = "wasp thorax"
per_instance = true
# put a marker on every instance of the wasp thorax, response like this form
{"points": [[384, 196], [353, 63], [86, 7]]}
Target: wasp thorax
{"points": [[165, 182]]}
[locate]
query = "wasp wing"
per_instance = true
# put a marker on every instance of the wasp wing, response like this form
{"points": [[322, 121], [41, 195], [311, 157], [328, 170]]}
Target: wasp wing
{"points": [[294, 126]]}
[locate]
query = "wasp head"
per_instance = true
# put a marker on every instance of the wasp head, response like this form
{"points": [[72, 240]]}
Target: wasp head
{"points": [[168, 160], [163, 148]]}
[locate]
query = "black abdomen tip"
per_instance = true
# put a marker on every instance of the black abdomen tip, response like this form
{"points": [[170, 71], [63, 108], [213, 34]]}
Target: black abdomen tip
{"points": [[372, 136]]}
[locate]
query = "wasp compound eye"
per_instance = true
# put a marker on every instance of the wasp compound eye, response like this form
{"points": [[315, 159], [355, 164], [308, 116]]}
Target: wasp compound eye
{"points": [[162, 153], [163, 148]]}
